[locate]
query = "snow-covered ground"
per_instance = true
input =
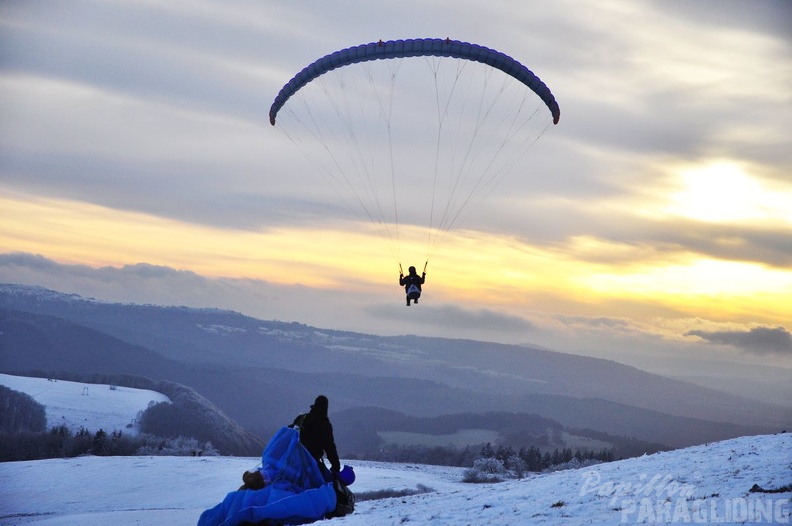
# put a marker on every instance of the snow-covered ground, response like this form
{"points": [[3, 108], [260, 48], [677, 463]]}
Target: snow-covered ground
{"points": [[92, 406], [707, 484]]}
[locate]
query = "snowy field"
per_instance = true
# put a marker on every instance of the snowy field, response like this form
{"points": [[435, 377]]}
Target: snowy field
{"points": [[92, 406], [707, 484]]}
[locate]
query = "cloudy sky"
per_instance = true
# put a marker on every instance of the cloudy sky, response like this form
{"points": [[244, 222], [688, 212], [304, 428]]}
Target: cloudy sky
{"points": [[137, 163]]}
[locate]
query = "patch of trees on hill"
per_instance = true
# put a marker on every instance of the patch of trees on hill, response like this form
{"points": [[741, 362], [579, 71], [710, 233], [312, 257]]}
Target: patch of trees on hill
{"points": [[20, 412], [190, 414]]}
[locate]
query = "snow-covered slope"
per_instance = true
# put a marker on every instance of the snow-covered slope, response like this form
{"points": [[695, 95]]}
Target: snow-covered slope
{"points": [[92, 406], [703, 484]]}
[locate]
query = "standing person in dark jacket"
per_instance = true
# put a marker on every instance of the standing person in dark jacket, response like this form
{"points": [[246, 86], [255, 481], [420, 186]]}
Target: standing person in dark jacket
{"points": [[316, 434], [412, 284]]}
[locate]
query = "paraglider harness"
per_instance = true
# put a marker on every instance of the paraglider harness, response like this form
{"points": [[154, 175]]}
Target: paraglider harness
{"points": [[412, 289], [345, 499]]}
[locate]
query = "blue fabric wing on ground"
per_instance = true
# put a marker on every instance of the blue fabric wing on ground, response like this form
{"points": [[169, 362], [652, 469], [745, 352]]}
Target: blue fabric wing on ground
{"points": [[297, 493]]}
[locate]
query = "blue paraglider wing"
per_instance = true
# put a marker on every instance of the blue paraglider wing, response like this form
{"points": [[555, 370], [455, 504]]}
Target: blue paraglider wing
{"points": [[296, 494], [416, 48]]}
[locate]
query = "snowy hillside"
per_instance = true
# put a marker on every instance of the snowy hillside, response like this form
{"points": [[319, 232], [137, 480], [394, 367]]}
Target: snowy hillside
{"points": [[704, 484], [92, 406]]}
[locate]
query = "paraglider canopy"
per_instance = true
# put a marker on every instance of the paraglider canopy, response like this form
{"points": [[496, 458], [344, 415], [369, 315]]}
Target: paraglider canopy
{"points": [[415, 133], [416, 48]]}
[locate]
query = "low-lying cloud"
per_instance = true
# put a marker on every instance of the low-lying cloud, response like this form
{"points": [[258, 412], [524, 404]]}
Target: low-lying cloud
{"points": [[758, 340]]}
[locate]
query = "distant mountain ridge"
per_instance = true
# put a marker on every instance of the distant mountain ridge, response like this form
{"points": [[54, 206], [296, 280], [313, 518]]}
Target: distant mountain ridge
{"points": [[262, 373]]}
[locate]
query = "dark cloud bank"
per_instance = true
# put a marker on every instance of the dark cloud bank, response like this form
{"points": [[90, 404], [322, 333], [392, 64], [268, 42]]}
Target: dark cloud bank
{"points": [[758, 340]]}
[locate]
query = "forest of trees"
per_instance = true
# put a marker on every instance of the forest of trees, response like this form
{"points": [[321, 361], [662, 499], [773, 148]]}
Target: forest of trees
{"points": [[530, 459], [20, 412], [494, 465], [60, 442]]}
